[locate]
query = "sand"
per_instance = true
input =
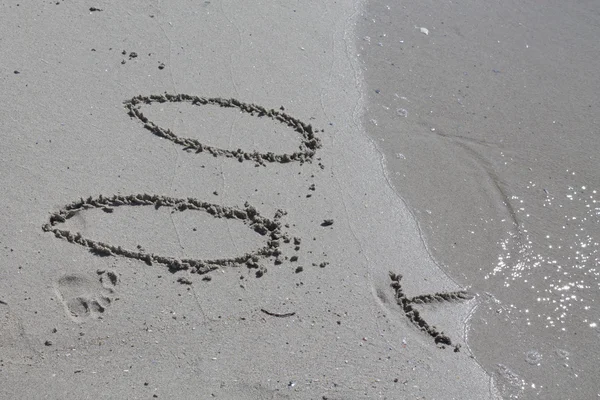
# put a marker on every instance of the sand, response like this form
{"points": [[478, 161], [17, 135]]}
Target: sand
{"points": [[117, 280], [488, 120], [329, 201]]}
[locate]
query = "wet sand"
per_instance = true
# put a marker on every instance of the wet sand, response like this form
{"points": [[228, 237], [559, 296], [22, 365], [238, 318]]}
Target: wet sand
{"points": [[487, 115], [259, 139]]}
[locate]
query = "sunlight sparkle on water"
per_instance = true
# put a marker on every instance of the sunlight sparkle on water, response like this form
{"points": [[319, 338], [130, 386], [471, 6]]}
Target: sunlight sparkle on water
{"points": [[562, 247]]}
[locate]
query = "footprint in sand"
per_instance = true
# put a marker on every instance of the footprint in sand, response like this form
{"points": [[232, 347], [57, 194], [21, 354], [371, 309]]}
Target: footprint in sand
{"points": [[86, 298]]}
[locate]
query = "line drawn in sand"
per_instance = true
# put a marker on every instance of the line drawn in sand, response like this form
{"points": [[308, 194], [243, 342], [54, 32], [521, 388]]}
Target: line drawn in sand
{"points": [[407, 304], [308, 144], [270, 228]]}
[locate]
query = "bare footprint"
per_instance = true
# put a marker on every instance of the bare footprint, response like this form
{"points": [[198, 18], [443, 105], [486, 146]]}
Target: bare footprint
{"points": [[84, 297]]}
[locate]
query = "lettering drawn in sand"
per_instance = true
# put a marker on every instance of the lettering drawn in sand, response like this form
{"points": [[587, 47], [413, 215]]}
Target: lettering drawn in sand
{"points": [[308, 145], [408, 303], [271, 229]]}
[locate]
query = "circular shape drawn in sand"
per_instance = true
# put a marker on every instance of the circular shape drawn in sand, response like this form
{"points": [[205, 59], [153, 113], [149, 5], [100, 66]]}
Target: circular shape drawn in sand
{"points": [[308, 144], [271, 228]]}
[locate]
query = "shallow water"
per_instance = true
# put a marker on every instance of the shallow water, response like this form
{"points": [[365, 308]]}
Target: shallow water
{"points": [[487, 119]]}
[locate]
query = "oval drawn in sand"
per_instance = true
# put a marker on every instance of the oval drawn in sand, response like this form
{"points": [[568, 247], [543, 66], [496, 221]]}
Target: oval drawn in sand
{"points": [[306, 150], [270, 228]]}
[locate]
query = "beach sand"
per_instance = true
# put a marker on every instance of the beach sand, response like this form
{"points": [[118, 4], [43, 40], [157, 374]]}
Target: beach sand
{"points": [[487, 115], [115, 311]]}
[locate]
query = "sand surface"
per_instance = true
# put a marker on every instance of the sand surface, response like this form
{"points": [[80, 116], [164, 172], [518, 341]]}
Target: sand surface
{"points": [[487, 114], [151, 296]]}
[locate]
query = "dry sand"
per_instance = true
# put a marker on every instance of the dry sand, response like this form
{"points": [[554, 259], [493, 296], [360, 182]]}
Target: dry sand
{"points": [[488, 118], [322, 322]]}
